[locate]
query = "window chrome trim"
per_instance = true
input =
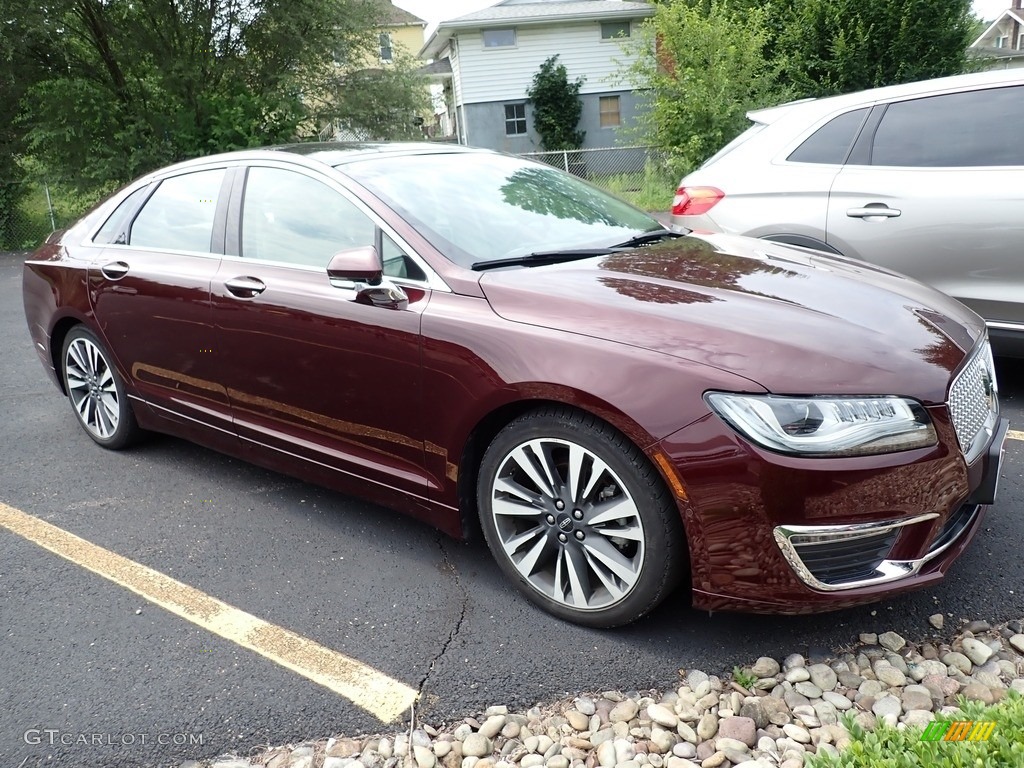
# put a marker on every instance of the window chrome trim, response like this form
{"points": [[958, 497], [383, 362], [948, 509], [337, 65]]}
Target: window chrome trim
{"points": [[1002, 325], [888, 570]]}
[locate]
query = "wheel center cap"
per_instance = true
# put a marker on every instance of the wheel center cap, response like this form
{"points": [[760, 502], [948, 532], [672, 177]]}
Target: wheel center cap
{"points": [[564, 522]]}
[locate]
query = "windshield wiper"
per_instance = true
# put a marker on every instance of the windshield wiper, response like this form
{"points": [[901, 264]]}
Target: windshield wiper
{"points": [[542, 257], [646, 238]]}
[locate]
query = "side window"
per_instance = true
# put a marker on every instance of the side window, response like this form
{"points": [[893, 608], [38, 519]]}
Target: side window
{"points": [[179, 215], [977, 128], [115, 228], [831, 143], [396, 263], [293, 218]]}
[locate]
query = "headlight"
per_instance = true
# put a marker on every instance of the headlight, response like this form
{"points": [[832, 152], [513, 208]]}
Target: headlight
{"points": [[826, 426]]}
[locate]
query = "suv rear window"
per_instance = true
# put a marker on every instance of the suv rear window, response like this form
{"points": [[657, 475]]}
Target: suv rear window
{"points": [[831, 143], [975, 128]]}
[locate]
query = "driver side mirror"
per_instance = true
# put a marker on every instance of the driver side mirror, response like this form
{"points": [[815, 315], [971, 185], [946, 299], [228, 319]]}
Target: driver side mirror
{"points": [[361, 270], [356, 265]]}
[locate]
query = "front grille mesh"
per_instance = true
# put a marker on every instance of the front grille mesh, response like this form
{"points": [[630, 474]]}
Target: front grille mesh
{"points": [[972, 400], [846, 559]]}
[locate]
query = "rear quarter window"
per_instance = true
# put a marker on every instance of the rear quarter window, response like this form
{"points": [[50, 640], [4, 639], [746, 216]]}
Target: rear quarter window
{"points": [[831, 143], [179, 216]]}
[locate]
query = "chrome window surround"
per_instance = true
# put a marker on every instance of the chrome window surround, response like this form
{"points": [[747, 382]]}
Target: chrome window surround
{"points": [[789, 537], [974, 403]]}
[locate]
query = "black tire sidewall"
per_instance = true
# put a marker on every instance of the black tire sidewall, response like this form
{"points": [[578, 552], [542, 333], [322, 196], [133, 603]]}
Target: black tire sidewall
{"points": [[664, 540]]}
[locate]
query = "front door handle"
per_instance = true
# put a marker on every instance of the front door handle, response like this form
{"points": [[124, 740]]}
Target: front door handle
{"points": [[880, 210], [245, 287], [115, 270]]}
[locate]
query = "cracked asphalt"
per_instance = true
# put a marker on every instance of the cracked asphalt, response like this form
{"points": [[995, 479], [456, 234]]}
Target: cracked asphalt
{"points": [[81, 656]]}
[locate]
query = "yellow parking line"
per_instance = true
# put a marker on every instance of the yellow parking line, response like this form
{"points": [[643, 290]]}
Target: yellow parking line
{"points": [[1015, 434], [373, 691]]}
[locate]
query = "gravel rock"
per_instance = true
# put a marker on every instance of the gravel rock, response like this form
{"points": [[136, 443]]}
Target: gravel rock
{"points": [[742, 729], [936, 620], [1017, 641], [476, 745], [891, 641], [765, 667], [976, 651], [661, 715], [624, 711], [823, 677]]}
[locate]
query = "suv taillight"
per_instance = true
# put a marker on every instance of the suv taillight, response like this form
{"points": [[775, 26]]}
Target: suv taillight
{"points": [[693, 201]]}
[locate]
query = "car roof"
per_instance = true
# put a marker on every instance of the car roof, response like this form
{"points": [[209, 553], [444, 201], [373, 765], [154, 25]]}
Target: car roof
{"points": [[329, 153], [937, 85]]}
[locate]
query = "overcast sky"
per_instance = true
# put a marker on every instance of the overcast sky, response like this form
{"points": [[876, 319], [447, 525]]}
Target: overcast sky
{"points": [[436, 10]]}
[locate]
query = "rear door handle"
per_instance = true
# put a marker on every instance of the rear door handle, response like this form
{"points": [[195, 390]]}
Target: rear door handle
{"points": [[115, 270], [245, 287], [882, 211]]}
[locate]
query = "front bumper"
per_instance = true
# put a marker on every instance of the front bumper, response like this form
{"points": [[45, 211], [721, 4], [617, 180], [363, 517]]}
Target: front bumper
{"points": [[830, 558], [771, 533]]}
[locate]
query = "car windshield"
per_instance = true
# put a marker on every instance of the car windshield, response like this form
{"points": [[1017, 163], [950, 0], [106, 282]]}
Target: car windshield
{"points": [[480, 207]]}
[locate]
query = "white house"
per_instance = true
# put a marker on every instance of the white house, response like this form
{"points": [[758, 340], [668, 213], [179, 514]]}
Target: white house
{"points": [[487, 59], [1003, 40]]}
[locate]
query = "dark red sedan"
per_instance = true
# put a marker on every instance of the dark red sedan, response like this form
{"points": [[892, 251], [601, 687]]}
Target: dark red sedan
{"points": [[487, 343]]}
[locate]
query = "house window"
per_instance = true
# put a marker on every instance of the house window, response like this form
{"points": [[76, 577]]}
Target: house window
{"points": [[611, 30], [515, 119], [385, 46], [499, 38], [1002, 40], [611, 117], [1020, 42]]}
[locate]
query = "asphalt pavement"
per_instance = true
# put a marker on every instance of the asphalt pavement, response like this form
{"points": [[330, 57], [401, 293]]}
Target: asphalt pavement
{"points": [[91, 674]]}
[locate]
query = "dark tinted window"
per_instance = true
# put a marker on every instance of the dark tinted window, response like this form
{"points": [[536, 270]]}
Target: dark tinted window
{"points": [[289, 217], [179, 216], [397, 263], [831, 143], [115, 228], [978, 128]]}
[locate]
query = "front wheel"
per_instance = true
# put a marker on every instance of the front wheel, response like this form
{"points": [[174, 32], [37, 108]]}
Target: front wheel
{"points": [[96, 392], [578, 517]]}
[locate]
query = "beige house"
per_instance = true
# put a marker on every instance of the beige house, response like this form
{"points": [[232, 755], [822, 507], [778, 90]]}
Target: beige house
{"points": [[1002, 42], [403, 31]]}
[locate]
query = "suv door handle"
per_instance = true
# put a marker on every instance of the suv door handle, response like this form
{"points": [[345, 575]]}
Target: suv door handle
{"points": [[245, 287], [882, 211], [115, 270]]}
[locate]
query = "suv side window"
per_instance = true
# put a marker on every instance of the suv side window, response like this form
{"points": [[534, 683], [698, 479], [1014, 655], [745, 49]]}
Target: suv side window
{"points": [[831, 143], [290, 217], [179, 215], [975, 128]]}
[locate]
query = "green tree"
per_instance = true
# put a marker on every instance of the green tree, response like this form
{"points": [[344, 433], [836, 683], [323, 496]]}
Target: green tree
{"points": [[556, 106], [838, 46], [704, 65], [119, 87]]}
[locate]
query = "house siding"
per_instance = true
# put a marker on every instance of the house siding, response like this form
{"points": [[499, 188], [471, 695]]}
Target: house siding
{"points": [[486, 124], [505, 74]]}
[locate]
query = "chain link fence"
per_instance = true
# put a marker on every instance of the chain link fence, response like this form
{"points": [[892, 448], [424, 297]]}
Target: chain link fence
{"points": [[641, 175], [29, 212]]}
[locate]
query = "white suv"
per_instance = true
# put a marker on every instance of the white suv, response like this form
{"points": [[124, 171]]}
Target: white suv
{"points": [[924, 178]]}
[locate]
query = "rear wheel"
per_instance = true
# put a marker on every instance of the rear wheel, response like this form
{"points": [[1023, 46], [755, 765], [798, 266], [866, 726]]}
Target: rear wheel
{"points": [[95, 390], [576, 515]]}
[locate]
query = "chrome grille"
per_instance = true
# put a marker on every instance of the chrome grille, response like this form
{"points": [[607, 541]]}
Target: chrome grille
{"points": [[973, 403]]}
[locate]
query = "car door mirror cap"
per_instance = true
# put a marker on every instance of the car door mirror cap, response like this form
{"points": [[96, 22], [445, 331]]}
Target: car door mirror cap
{"points": [[386, 294], [356, 265]]}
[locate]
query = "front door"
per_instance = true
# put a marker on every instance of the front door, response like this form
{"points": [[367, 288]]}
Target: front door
{"points": [[311, 373]]}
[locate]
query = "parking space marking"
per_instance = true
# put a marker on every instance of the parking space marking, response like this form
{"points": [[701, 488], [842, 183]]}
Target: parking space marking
{"points": [[1015, 434], [367, 688]]}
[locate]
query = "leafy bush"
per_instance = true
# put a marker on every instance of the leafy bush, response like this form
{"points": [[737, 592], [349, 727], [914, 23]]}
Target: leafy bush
{"points": [[890, 748]]}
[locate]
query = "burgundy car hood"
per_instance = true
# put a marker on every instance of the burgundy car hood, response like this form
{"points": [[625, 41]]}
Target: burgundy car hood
{"points": [[794, 321]]}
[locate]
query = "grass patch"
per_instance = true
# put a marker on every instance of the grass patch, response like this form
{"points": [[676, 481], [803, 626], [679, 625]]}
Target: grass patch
{"points": [[650, 189], [888, 747]]}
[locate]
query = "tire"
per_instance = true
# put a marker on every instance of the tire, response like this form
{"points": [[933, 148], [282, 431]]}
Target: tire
{"points": [[554, 487], [96, 391]]}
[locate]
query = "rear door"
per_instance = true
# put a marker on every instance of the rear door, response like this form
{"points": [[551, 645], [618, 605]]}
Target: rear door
{"points": [[938, 194], [150, 290]]}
